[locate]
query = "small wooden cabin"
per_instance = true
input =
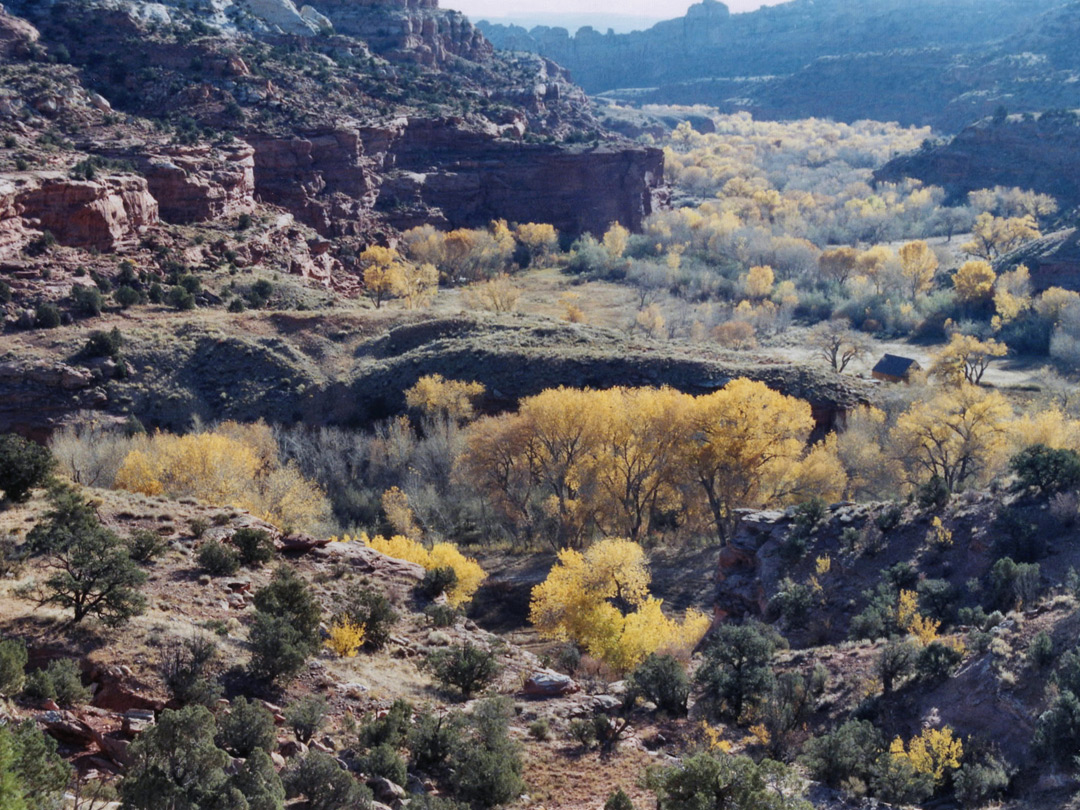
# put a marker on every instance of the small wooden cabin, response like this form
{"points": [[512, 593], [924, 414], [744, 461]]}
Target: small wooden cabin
{"points": [[894, 368]]}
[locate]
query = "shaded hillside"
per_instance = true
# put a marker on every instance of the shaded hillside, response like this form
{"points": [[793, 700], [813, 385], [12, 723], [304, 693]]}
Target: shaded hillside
{"points": [[1036, 152], [933, 62], [288, 369]]}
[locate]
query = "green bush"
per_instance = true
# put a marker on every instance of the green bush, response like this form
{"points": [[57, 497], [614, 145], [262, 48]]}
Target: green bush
{"points": [[583, 732], [186, 670], [889, 518], [255, 546], [246, 727], [663, 680], [32, 774], [179, 298], [384, 760], [937, 661], [324, 784], [849, 751], [618, 801], [13, 658], [218, 559], [145, 545], [156, 295], [175, 763], [367, 606], [390, 729], [1046, 470], [467, 667], [736, 672], [285, 631], [60, 681], [104, 344], [978, 783], [258, 782], [933, 494], [540, 729], [306, 717], [127, 297], [1041, 650], [47, 316], [441, 615], [897, 781], [87, 300], [432, 739], [438, 581], [24, 465], [793, 602], [723, 780], [93, 574], [1013, 584], [486, 769]]}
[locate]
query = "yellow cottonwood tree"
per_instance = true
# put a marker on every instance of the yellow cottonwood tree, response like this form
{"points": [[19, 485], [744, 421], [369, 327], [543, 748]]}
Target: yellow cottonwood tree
{"points": [[966, 358], [957, 434], [436, 396], [932, 752], [232, 465], [974, 282], [742, 440], [382, 273], [992, 236], [917, 267], [600, 600]]}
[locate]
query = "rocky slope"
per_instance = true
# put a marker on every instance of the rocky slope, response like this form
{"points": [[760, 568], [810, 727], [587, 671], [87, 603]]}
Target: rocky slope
{"points": [[293, 371], [356, 118], [936, 62], [1035, 152]]}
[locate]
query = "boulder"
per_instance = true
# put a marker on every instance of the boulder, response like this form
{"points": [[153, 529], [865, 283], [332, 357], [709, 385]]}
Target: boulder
{"points": [[547, 683], [386, 791]]}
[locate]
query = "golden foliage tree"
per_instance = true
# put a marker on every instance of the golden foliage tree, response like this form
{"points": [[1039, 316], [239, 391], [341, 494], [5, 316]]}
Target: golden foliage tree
{"points": [[933, 752], [918, 263], [232, 465], [539, 238], [974, 282], [499, 294], [742, 443], [966, 358], [615, 241], [957, 434], [383, 270], [415, 284], [600, 600], [838, 264], [992, 236], [758, 281], [437, 397], [468, 572]]}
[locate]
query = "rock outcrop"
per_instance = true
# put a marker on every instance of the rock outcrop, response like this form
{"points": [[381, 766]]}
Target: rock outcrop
{"points": [[36, 397], [100, 214], [1052, 261], [1036, 152], [322, 177], [415, 30], [345, 181], [194, 184], [471, 177]]}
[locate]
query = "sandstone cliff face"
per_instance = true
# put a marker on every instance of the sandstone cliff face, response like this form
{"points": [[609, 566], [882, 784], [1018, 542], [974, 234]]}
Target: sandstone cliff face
{"points": [[323, 178], [35, 397], [445, 171], [472, 178], [194, 184], [101, 214]]}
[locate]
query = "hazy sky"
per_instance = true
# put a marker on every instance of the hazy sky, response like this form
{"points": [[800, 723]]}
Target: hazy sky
{"points": [[651, 9]]}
